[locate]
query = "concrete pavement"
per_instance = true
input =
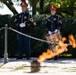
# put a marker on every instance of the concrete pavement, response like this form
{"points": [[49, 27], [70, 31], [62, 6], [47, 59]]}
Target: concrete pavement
{"points": [[49, 67]]}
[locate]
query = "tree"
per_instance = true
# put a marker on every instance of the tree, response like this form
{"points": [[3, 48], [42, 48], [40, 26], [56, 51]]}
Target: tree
{"points": [[23, 0], [41, 6], [34, 7], [33, 3], [65, 6], [10, 5]]}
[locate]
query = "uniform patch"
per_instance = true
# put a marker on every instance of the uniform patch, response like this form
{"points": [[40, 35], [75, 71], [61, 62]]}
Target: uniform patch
{"points": [[19, 16], [54, 19], [60, 21], [15, 20], [25, 17], [31, 19]]}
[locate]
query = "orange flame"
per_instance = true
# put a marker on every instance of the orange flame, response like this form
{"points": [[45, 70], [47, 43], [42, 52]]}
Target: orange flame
{"points": [[72, 40], [49, 54], [46, 55], [64, 39], [59, 49]]}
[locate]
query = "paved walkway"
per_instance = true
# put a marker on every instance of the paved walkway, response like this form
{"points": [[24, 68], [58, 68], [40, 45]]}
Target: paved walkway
{"points": [[49, 67]]}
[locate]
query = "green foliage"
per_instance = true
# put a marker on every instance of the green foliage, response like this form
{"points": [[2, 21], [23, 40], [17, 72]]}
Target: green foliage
{"points": [[12, 45], [60, 3], [39, 31], [69, 26], [65, 6]]}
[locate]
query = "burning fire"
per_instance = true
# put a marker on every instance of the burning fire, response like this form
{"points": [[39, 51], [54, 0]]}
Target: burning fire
{"points": [[59, 49], [72, 41]]}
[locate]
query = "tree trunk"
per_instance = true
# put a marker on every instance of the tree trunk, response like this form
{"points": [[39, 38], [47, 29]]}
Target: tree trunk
{"points": [[34, 2], [67, 10], [41, 6], [23, 0], [9, 4]]}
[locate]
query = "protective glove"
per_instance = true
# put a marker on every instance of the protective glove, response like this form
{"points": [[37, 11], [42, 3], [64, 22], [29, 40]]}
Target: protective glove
{"points": [[22, 25], [56, 30], [49, 32]]}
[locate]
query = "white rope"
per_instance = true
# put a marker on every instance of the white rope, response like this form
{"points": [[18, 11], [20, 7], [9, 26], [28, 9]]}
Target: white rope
{"points": [[35, 37], [31, 36], [1, 28]]}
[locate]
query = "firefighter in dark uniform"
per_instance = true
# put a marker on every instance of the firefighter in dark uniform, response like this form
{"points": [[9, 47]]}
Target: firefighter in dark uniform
{"points": [[53, 23], [23, 22]]}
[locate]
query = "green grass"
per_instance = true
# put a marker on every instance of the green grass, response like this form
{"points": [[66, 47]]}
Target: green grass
{"points": [[1, 65], [70, 69], [19, 68], [66, 55]]}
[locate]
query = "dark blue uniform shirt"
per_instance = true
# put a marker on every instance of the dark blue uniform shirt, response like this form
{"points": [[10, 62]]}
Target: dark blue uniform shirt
{"points": [[24, 18], [53, 22]]}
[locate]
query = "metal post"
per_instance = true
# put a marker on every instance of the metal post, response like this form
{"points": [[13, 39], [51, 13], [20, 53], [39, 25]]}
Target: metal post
{"points": [[5, 52]]}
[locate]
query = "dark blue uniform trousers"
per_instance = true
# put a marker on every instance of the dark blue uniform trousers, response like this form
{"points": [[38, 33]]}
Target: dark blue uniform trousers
{"points": [[23, 39]]}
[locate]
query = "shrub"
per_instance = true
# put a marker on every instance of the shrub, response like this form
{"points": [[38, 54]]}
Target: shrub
{"points": [[37, 47]]}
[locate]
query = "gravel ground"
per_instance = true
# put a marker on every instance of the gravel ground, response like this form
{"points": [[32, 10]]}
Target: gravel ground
{"points": [[49, 67]]}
